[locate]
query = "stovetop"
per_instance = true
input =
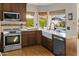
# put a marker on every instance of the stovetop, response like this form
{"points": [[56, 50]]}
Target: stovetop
{"points": [[13, 29]]}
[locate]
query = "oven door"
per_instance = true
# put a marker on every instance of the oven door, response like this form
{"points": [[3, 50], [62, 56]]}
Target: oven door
{"points": [[12, 39]]}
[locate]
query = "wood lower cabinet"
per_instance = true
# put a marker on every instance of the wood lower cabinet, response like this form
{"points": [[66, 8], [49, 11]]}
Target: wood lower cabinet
{"points": [[44, 41], [28, 38], [0, 46], [38, 37], [48, 43], [31, 38], [0, 39], [24, 38]]}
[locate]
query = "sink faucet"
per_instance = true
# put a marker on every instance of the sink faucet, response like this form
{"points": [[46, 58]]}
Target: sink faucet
{"points": [[52, 26]]}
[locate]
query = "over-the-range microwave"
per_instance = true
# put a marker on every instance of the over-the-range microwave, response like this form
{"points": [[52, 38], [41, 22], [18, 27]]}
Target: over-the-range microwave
{"points": [[11, 16]]}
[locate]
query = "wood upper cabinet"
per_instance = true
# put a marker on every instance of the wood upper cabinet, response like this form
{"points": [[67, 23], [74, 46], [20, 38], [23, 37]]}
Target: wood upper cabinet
{"points": [[0, 6], [6, 7], [14, 7], [0, 46], [0, 12], [20, 8]]}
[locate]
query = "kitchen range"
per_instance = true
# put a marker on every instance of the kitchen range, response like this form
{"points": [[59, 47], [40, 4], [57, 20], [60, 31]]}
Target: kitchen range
{"points": [[11, 39]]}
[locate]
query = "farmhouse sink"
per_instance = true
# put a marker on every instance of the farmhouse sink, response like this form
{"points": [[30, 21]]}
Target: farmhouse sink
{"points": [[47, 34]]}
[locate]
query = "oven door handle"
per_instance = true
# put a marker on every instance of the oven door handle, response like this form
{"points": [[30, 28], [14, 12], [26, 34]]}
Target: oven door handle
{"points": [[12, 34]]}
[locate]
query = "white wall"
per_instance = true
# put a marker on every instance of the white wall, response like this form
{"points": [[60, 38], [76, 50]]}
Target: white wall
{"points": [[31, 8], [78, 29], [72, 33], [42, 8]]}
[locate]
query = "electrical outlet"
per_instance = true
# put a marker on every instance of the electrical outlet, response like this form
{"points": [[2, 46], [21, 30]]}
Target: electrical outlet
{"points": [[68, 28]]}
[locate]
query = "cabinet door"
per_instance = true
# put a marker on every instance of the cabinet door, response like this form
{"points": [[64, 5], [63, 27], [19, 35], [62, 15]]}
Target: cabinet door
{"points": [[0, 46], [6, 7], [28, 38], [24, 39], [21, 8], [14, 7], [0, 14], [0, 6], [44, 41], [50, 44], [38, 37], [31, 38]]}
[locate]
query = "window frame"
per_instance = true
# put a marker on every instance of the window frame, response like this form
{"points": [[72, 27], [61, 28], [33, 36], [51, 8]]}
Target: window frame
{"points": [[33, 13], [44, 14]]}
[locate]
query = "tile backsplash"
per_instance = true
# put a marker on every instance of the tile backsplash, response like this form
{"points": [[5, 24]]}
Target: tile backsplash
{"points": [[11, 24]]}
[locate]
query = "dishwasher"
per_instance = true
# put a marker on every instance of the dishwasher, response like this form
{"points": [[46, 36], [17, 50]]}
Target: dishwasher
{"points": [[59, 46]]}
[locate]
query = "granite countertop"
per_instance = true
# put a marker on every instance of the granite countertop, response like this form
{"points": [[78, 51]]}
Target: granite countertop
{"points": [[30, 29], [48, 33], [55, 32]]}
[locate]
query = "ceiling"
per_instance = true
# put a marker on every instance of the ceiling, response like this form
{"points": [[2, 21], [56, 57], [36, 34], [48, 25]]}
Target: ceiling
{"points": [[42, 4]]}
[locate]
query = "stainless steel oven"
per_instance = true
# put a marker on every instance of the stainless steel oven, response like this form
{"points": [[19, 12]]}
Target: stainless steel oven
{"points": [[11, 40]]}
